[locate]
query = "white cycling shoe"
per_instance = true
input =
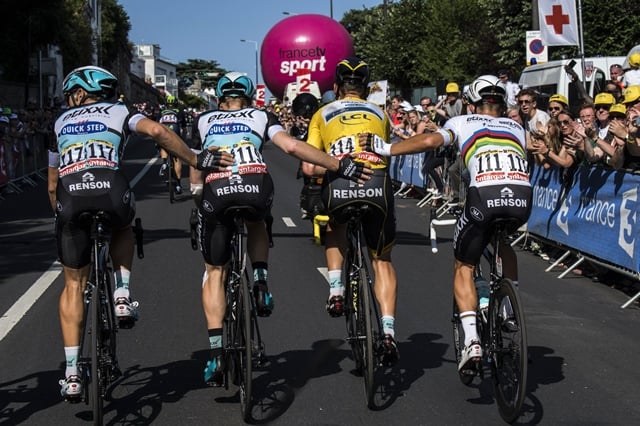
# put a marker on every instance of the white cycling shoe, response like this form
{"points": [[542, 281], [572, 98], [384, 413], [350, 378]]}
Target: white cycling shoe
{"points": [[126, 310], [470, 355]]}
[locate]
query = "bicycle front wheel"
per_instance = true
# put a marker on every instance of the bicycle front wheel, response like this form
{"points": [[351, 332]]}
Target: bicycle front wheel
{"points": [[509, 351], [246, 350]]}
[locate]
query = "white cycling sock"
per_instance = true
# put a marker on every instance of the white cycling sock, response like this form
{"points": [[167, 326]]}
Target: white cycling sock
{"points": [[71, 360], [121, 278], [468, 320], [388, 323], [336, 288]]}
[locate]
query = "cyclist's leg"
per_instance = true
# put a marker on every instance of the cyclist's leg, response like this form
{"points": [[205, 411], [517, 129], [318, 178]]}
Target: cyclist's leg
{"points": [[335, 243], [195, 180], [258, 243], [164, 155], [121, 251], [177, 168], [215, 243], [74, 250]]}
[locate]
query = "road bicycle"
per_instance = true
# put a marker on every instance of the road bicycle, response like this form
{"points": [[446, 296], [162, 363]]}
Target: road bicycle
{"points": [[502, 331], [364, 329], [243, 347], [98, 361], [172, 180]]}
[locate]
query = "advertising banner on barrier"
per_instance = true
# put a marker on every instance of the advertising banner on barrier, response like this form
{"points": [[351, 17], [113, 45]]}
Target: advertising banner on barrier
{"points": [[594, 211], [408, 169]]}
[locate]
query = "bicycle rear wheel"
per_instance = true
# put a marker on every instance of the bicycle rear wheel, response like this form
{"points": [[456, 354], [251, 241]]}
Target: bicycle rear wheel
{"points": [[245, 349], [365, 334], [509, 352], [95, 377], [352, 310]]}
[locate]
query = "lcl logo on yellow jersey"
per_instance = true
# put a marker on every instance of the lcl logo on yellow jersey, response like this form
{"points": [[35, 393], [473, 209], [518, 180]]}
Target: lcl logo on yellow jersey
{"points": [[355, 118]]}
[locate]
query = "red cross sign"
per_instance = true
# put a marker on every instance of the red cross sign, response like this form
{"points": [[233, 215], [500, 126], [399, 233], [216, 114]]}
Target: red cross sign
{"points": [[557, 19]]}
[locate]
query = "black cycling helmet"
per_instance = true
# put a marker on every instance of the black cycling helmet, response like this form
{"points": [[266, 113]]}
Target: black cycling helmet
{"points": [[352, 70], [304, 105]]}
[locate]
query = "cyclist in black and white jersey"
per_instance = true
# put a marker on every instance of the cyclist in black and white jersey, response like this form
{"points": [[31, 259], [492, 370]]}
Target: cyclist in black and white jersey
{"points": [[240, 129], [173, 118], [493, 150], [84, 175]]}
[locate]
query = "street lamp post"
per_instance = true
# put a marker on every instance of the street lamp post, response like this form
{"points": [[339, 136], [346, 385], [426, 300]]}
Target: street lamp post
{"points": [[256, 45]]}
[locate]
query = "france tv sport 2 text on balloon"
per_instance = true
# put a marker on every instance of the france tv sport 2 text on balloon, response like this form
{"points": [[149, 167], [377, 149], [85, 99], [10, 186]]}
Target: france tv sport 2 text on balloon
{"points": [[313, 42]]}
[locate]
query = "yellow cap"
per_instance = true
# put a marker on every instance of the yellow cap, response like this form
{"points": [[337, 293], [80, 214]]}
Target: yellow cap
{"points": [[559, 98], [604, 98], [634, 60], [452, 88], [631, 94], [618, 109]]}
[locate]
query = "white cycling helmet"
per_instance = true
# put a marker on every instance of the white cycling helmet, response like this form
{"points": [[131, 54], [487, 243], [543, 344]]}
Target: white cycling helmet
{"points": [[486, 88]]}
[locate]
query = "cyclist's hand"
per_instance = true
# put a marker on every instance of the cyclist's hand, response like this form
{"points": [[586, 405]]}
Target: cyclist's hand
{"points": [[374, 143], [213, 159], [352, 170]]}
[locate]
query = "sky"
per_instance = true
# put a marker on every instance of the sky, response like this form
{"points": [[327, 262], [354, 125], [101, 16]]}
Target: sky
{"points": [[212, 29]]}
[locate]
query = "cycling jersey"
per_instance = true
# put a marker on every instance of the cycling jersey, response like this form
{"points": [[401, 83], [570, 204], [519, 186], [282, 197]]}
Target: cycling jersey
{"points": [[90, 141], [172, 118], [493, 149], [335, 127], [243, 134]]}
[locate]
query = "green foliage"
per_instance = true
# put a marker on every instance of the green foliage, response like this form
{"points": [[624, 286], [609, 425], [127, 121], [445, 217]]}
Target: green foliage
{"points": [[208, 72]]}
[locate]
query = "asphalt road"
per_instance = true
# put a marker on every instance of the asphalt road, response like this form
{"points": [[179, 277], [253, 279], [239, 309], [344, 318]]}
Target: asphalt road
{"points": [[583, 348]]}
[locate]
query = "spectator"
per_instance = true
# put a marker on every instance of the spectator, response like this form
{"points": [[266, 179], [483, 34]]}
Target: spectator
{"points": [[632, 76], [396, 100], [546, 142], [566, 155], [451, 104], [511, 88], [603, 102], [514, 114], [616, 74], [533, 117], [425, 103], [612, 87], [557, 103]]}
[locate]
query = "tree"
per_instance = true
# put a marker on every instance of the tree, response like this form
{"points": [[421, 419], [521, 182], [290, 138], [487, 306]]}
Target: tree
{"points": [[207, 72]]}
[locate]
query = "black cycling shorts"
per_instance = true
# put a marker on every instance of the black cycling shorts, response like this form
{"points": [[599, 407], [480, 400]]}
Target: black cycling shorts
{"points": [[482, 206], [93, 190], [216, 229], [379, 225]]}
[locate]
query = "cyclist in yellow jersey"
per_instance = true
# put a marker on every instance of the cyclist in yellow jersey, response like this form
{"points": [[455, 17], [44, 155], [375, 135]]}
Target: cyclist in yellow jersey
{"points": [[334, 129]]}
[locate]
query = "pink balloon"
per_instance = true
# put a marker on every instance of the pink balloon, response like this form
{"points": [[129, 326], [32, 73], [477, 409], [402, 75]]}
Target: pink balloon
{"points": [[314, 42]]}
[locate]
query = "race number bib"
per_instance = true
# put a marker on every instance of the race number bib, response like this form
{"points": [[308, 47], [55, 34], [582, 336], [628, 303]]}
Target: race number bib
{"points": [[500, 165], [343, 146], [93, 153]]}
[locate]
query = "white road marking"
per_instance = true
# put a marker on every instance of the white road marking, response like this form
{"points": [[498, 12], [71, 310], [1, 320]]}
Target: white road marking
{"points": [[15, 313], [26, 301], [287, 221], [324, 272]]}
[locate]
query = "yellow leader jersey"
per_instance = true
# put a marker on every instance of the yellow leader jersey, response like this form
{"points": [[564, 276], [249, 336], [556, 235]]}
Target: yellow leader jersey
{"points": [[334, 129]]}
